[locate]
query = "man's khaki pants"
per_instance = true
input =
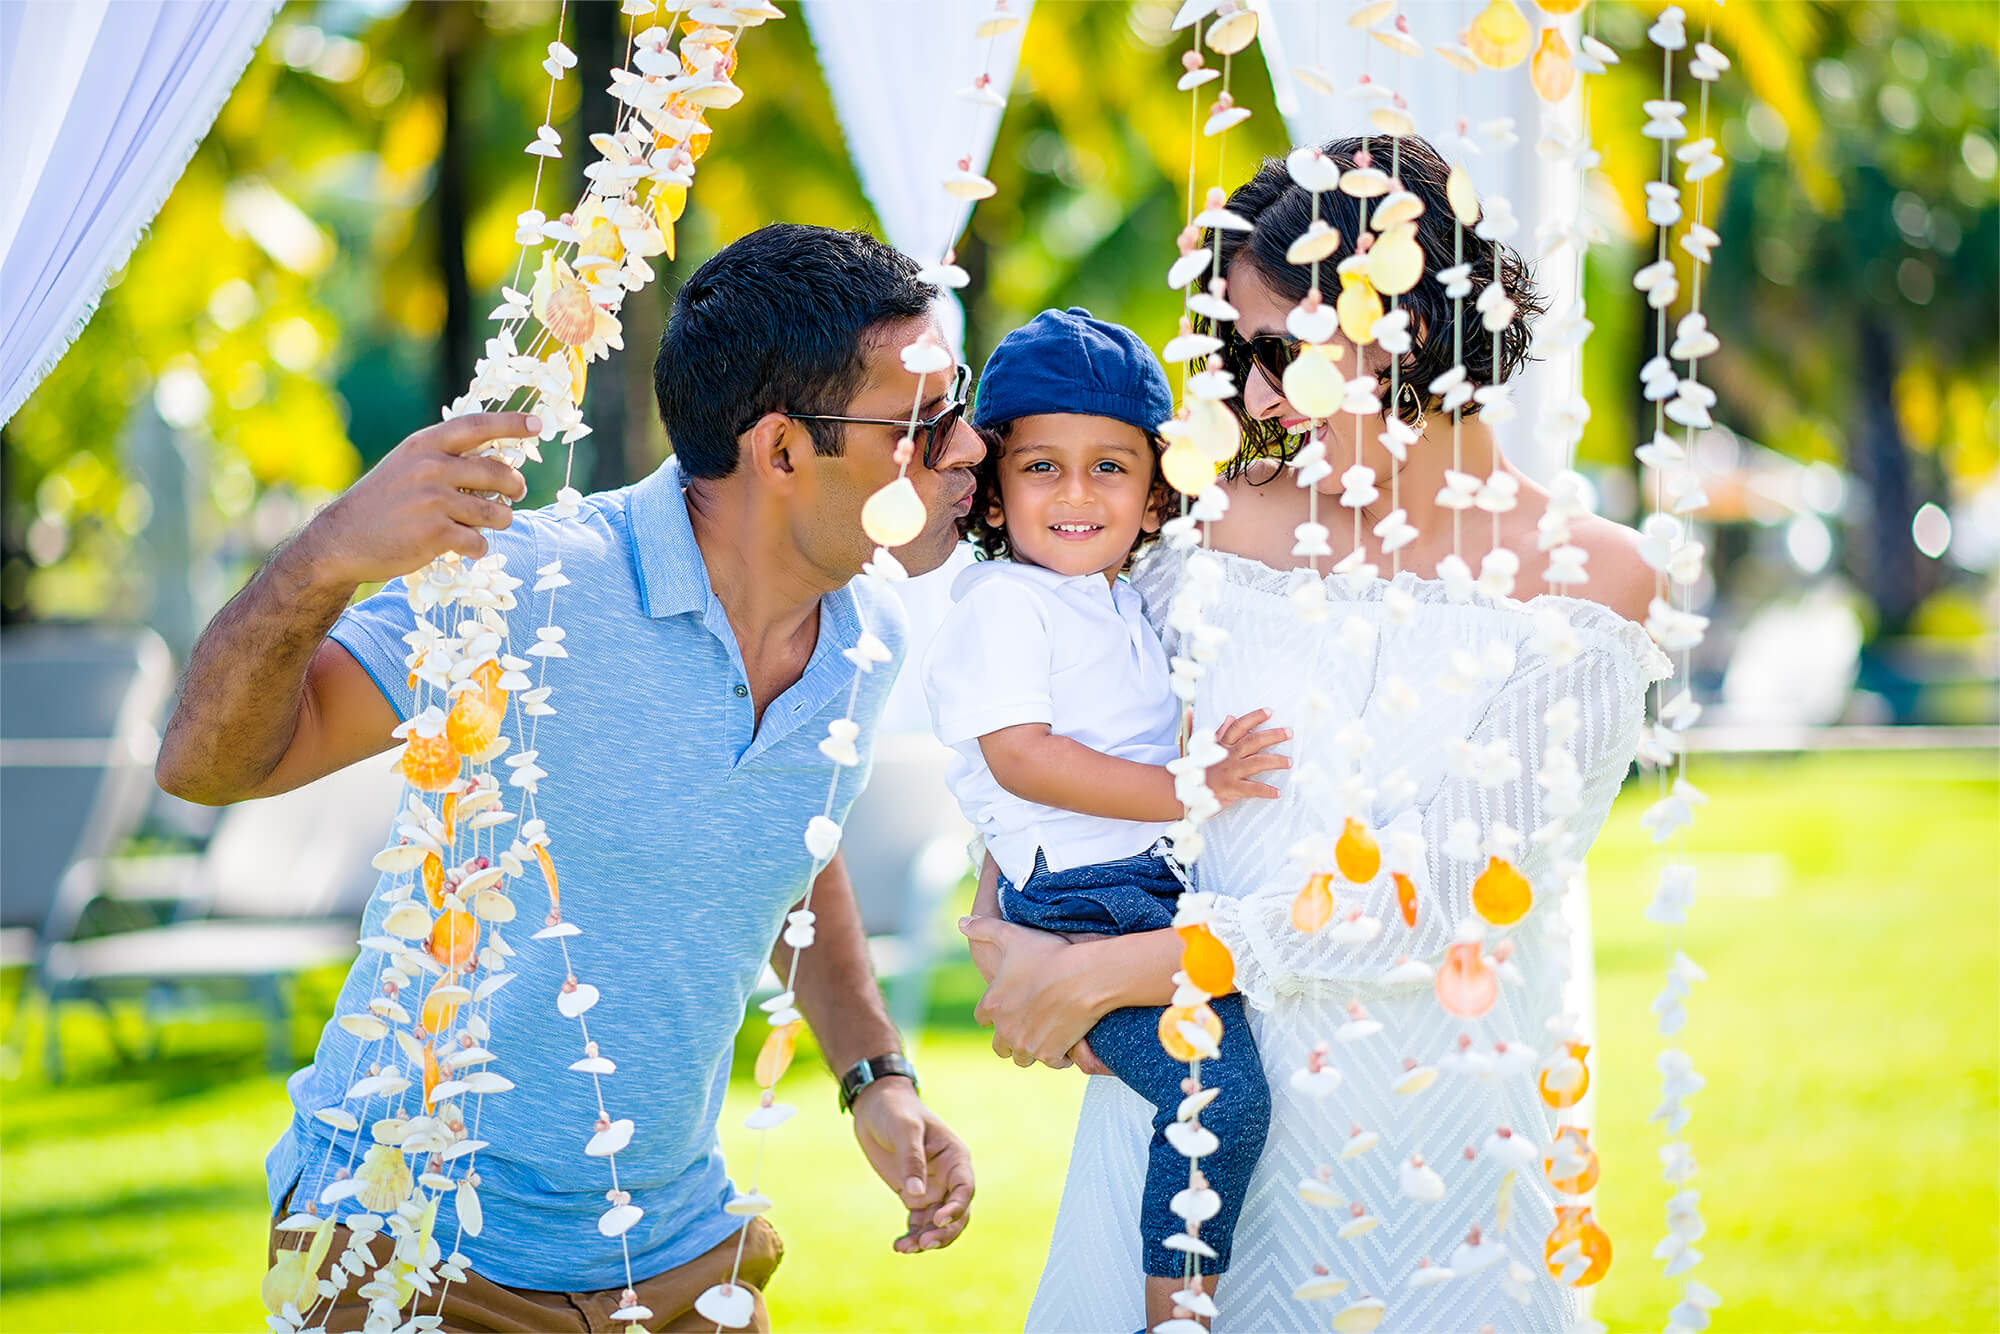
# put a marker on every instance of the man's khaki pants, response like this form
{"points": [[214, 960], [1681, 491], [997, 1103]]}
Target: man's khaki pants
{"points": [[478, 1306]]}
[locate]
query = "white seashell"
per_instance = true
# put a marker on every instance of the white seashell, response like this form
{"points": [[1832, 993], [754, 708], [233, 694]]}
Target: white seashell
{"points": [[1233, 32], [1224, 120], [749, 1205], [1359, 1318], [1190, 1245], [559, 929], [611, 1139], [1365, 183], [768, 1118], [410, 920], [492, 906], [479, 880], [575, 1002], [1195, 78], [633, 1313], [594, 1065], [1315, 79], [1210, 306], [464, 1148], [465, 1056], [488, 985], [364, 1026], [338, 1117], [1321, 1194], [1318, 242], [822, 837], [1191, 1140], [1318, 1288], [487, 1081], [1189, 267], [446, 1089], [1192, 1105], [969, 185], [1358, 1226], [1196, 1206], [618, 1220], [471, 1218], [1359, 1143], [727, 1304], [1420, 1182], [401, 857]]}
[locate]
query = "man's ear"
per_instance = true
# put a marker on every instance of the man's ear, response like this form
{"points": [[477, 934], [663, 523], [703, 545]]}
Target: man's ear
{"points": [[765, 451]]}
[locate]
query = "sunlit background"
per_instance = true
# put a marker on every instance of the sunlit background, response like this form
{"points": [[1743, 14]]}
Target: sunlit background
{"points": [[316, 286]]}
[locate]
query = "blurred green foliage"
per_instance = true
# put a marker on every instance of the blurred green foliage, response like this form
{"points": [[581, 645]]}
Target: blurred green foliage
{"points": [[287, 313]]}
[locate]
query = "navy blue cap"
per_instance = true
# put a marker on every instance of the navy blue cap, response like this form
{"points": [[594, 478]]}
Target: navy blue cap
{"points": [[1070, 361]]}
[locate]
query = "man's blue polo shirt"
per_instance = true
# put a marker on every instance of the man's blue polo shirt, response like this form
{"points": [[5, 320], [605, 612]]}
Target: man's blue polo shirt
{"points": [[676, 826]]}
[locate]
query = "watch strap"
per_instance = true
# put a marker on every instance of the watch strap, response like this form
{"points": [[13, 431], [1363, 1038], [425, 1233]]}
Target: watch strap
{"points": [[863, 1073]]}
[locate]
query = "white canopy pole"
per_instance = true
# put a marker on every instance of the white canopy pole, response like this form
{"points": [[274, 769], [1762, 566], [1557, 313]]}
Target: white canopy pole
{"points": [[103, 103]]}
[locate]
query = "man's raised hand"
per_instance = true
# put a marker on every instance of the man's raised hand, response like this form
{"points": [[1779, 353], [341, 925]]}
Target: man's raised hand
{"points": [[427, 496]]}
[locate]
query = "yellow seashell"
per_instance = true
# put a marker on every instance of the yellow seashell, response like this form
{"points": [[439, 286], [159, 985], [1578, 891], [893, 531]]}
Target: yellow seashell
{"points": [[1313, 384], [562, 303], [776, 1055], [441, 1006], [599, 236], [894, 515], [1551, 71], [1171, 1019], [1500, 37], [1313, 908], [1214, 430], [1464, 199], [1396, 261], [1358, 308], [1501, 894], [1560, 7], [1356, 852], [1187, 469], [669, 202], [579, 373]]}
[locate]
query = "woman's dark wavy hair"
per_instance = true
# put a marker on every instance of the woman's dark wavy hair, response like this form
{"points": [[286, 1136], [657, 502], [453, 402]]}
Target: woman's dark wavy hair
{"points": [[991, 542], [1280, 210]]}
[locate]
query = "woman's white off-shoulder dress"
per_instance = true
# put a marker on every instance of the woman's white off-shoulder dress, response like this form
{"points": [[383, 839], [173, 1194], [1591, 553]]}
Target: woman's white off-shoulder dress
{"points": [[1432, 712]]}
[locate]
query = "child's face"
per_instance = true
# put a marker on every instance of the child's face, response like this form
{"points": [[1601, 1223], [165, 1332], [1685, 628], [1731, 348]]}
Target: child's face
{"points": [[1075, 492]]}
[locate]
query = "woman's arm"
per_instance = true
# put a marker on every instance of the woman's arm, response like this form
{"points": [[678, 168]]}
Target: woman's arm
{"points": [[1045, 993]]}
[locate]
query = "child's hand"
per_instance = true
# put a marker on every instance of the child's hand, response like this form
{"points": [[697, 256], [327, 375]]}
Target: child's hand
{"points": [[1230, 778]]}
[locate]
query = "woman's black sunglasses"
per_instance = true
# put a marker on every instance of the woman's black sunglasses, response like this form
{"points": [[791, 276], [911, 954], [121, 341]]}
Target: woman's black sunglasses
{"points": [[932, 433], [1273, 352]]}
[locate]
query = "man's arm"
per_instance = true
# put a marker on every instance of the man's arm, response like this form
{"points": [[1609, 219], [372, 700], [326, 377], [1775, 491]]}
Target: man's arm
{"points": [[916, 1154], [268, 704]]}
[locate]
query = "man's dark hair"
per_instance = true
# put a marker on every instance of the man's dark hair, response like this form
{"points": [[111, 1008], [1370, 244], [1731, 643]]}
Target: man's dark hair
{"points": [[775, 322]]}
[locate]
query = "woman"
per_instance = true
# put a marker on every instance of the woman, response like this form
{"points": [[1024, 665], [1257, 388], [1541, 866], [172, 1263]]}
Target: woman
{"points": [[1421, 704]]}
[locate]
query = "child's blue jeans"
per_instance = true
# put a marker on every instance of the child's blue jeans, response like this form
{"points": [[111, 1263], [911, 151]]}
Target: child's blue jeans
{"points": [[1137, 894]]}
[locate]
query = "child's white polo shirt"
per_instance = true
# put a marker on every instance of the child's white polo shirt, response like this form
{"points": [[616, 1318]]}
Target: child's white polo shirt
{"points": [[1023, 644]]}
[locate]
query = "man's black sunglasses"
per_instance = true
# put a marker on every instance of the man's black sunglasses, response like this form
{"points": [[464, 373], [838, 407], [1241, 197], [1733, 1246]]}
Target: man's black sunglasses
{"points": [[933, 433]]}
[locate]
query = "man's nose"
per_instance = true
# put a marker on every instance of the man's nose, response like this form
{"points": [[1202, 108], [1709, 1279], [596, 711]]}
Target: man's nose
{"points": [[962, 448], [1260, 399]]}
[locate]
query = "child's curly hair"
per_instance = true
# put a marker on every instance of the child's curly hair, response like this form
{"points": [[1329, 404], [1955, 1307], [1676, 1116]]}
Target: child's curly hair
{"points": [[990, 541]]}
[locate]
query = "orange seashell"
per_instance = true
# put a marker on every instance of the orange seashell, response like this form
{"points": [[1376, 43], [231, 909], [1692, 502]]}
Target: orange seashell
{"points": [[1406, 897], [1571, 1081], [775, 1057], [454, 938], [433, 873], [439, 1010], [1356, 852], [548, 874], [1574, 1223], [1207, 961], [1500, 37], [1171, 1019], [428, 762], [448, 812], [1551, 71], [431, 1076], [562, 303], [473, 724], [1587, 1176], [1313, 908], [1501, 894], [488, 675], [1466, 987]]}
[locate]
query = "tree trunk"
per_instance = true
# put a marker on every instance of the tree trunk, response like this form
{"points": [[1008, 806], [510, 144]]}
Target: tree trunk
{"points": [[599, 46], [1885, 559], [455, 355]]}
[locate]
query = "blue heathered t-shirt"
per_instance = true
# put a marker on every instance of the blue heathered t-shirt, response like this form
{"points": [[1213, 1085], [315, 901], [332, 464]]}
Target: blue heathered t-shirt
{"points": [[676, 827]]}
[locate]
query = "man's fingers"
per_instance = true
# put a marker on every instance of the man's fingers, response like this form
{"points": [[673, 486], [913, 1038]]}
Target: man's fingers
{"points": [[466, 541], [484, 474], [463, 434], [476, 511]]}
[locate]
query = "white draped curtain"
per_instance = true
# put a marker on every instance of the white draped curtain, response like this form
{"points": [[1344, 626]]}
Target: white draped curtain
{"points": [[1314, 33], [102, 102], [894, 69]]}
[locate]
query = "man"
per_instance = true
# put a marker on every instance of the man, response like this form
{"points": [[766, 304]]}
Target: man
{"points": [[707, 611]]}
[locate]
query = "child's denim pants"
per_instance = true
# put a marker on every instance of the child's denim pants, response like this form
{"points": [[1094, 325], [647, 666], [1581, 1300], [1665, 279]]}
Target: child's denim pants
{"points": [[1137, 894]]}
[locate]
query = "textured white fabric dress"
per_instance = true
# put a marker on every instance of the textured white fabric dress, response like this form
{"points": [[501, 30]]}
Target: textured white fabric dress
{"points": [[1333, 682]]}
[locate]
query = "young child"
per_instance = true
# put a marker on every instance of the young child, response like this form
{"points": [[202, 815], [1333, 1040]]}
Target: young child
{"points": [[1051, 689]]}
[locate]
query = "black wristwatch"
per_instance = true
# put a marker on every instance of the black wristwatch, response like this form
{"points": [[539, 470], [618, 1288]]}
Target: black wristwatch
{"points": [[863, 1073]]}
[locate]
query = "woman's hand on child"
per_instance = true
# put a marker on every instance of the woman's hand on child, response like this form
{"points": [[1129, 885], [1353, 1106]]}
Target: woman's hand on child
{"points": [[1232, 778]]}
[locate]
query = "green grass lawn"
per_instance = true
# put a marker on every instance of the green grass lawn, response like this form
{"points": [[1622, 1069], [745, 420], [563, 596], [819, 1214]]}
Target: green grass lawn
{"points": [[1849, 1137]]}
